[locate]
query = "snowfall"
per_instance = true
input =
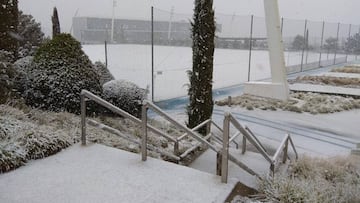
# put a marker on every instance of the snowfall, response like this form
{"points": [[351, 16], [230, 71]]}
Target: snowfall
{"points": [[96, 173]]}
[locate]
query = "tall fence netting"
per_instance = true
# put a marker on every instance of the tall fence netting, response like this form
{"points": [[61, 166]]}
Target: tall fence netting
{"points": [[241, 49]]}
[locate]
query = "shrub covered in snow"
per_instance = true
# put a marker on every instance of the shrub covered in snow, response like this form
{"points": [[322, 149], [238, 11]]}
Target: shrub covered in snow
{"points": [[11, 157], [103, 72], [315, 180], [125, 95], [60, 70], [7, 74], [30, 34]]}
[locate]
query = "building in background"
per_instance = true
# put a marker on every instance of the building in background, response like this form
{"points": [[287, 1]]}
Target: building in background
{"points": [[91, 30]]}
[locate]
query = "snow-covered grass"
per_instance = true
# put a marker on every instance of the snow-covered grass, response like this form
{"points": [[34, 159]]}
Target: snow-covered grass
{"points": [[347, 69], [315, 180], [28, 133], [328, 80], [299, 102]]}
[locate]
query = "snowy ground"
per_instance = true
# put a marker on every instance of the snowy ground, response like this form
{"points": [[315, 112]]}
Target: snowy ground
{"points": [[133, 62], [96, 173]]}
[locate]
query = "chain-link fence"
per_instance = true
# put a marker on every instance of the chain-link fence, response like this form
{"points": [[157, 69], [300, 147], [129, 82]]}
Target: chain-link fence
{"points": [[240, 55]]}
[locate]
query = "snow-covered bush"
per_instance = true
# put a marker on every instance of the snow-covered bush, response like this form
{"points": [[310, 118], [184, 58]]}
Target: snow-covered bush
{"points": [[11, 157], [103, 72], [60, 70], [30, 34], [7, 74], [125, 95], [39, 144]]}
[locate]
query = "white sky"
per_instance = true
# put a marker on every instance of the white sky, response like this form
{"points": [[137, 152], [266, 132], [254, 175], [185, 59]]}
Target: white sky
{"points": [[344, 11]]}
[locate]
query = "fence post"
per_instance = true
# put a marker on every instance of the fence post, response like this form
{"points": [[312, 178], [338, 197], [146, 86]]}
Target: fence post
{"points": [[337, 42], [303, 49], [347, 51], [106, 56], [225, 149], [250, 45], [152, 53], [144, 131], [322, 42], [83, 119]]}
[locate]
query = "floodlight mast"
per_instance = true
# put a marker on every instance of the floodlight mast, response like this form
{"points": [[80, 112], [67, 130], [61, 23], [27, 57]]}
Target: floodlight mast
{"points": [[275, 42], [278, 87]]}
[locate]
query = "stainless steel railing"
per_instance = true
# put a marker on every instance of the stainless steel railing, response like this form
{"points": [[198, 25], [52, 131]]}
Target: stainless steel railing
{"points": [[249, 135]]}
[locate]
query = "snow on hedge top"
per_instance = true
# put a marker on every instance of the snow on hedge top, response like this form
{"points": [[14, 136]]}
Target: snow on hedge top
{"points": [[122, 89]]}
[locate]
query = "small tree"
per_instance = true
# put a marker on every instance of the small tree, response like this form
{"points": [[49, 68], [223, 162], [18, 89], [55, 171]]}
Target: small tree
{"points": [[352, 45], [55, 22], [330, 44], [8, 26], [298, 43], [200, 91], [30, 32]]}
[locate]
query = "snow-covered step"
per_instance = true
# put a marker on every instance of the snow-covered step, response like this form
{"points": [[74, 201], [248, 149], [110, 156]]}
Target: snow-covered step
{"points": [[96, 173], [207, 163]]}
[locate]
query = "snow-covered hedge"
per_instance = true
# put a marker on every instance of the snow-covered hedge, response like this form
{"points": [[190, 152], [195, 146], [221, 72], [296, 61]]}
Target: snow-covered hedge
{"points": [[103, 72], [60, 70], [125, 95], [22, 139]]}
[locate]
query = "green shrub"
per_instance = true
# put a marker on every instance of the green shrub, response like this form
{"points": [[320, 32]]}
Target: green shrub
{"points": [[60, 70], [125, 95]]}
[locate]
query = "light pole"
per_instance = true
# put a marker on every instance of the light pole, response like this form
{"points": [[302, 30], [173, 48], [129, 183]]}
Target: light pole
{"points": [[112, 21]]}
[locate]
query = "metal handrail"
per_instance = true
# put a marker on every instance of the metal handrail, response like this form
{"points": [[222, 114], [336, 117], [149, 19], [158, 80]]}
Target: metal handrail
{"points": [[86, 94], [249, 135], [191, 132]]}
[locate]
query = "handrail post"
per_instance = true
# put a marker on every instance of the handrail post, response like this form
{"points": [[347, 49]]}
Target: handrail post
{"points": [[176, 148], [144, 131], [83, 119], [225, 149], [243, 149], [285, 155]]}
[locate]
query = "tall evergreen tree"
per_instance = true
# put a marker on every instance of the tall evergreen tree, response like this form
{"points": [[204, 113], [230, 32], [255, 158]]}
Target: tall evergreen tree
{"points": [[30, 32], [55, 23], [8, 26], [200, 91]]}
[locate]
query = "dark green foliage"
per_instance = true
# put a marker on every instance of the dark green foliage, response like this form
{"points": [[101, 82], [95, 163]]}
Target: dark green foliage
{"points": [[7, 74], [200, 90], [352, 44], [55, 22], [31, 35], [60, 70], [8, 26]]}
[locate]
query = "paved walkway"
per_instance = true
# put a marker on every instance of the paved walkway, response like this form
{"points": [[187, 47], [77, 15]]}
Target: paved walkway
{"points": [[96, 173]]}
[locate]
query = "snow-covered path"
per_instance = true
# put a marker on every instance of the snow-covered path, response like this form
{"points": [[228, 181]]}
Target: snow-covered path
{"points": [[96, 173]]}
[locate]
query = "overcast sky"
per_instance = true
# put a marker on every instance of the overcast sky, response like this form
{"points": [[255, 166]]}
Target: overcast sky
{"points": [[345, 11]]}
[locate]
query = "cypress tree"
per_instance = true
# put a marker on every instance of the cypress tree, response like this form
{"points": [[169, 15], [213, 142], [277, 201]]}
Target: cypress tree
{"points": [[8, 26], [200, 91], [55, 23]]}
